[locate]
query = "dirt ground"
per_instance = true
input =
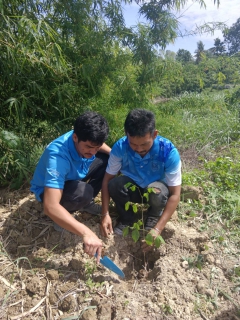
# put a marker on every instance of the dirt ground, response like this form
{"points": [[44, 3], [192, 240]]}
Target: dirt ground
{"points": [[45, 274]]}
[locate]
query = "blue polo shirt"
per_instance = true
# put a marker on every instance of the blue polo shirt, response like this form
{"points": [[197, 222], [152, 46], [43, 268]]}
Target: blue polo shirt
{"points": [[59, 162], [159, 163]]}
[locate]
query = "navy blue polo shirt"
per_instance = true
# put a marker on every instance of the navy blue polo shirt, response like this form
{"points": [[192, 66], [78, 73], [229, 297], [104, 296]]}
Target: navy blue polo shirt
{"points": [[59, 162]]}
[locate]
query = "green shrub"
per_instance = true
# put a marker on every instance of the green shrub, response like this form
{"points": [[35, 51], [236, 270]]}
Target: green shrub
{"points": [[17, 159], [225, 173]]}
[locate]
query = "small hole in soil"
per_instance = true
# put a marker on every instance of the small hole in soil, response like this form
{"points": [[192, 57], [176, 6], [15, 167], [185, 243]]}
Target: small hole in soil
{"points": [[138, 264]]}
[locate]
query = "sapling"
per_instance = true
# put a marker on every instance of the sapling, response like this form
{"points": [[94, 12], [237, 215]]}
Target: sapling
{"points": [[139, 225]]}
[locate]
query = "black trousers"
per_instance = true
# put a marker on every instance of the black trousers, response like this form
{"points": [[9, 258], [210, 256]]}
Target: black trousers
{"points": [[79, 193], [122, 194]]}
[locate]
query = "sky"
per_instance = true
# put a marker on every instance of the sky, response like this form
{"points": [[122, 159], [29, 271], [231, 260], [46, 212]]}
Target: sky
{"points": [[192, 15]]}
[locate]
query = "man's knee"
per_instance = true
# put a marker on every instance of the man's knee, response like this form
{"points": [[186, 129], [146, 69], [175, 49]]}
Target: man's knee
{"points": [[76, 194], [117, 184], [160, 194]]}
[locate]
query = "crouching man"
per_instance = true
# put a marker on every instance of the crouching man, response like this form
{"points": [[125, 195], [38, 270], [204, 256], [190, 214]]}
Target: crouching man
{"points": [[69, 175], [146, 160]]}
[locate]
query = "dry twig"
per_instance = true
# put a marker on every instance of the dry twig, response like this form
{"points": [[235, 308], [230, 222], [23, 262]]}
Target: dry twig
{"points": [[29, 311]]}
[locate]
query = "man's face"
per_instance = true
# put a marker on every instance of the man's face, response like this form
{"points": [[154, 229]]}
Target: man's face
{"points": [[85, 149], [142, 145]]}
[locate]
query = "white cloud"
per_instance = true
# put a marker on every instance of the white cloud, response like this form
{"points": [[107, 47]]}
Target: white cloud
{"points": [[228, 12], [192, 15]]}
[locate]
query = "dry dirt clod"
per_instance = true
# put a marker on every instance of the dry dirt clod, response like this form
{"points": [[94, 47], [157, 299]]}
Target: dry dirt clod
{"points": [[67, 303], [210, 293], [34, 285], [52, 275], [89, 314], [104, 310], [184, 264]]}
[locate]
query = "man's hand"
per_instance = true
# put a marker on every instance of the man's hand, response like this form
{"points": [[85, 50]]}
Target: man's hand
{"points": [[92, 245], [106, 226], [145, 247]]}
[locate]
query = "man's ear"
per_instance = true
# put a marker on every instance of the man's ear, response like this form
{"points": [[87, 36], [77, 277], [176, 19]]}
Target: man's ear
{"points": [[75, 138], [155, 133]]}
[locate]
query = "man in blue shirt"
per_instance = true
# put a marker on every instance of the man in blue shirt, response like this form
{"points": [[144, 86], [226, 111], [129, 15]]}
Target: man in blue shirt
{"points": [[145, 160], [69, 175]]}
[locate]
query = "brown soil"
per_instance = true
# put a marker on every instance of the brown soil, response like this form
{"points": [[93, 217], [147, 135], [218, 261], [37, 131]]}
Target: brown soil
{"points": [[45, 274]]}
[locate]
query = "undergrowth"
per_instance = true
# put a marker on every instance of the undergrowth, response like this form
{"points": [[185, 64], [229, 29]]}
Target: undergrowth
{"points": [[219, 180], [207, 121]]}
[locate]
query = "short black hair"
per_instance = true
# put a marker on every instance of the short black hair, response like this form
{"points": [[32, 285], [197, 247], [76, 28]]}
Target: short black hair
{"points": [[139, 122], [91, 126]]}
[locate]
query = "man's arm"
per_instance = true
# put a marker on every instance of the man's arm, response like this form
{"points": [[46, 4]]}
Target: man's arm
{"points": [[173, 200], [63, 218], [106, 223], [105, 149]]}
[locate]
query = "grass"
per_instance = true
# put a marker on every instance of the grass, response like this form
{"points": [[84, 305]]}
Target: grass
{"points": [[199, 119]]}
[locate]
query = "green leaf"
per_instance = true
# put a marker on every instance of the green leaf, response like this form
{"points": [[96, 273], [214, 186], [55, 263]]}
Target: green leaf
{"points": [[127, 206], [199, 265], [140, 223], [136, 226], [192, 214], [158, 241], [125, 231], [150, 190], [237, 271], [221, 239], [134, 206], [133, 188], [127, 185], [146, 195], [135, 235], [149, 239]]}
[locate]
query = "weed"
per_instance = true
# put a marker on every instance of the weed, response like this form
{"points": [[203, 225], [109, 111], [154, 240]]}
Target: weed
{"points": [[195, 262], [220, 184], [224, 172], [51, 251], [167, 309], [90, 268], [125, 304]]}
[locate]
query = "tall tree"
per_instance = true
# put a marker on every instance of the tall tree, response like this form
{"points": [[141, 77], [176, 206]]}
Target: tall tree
{"points": [[219, 48], [232, 38], [184, 56], [199, 52]]}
